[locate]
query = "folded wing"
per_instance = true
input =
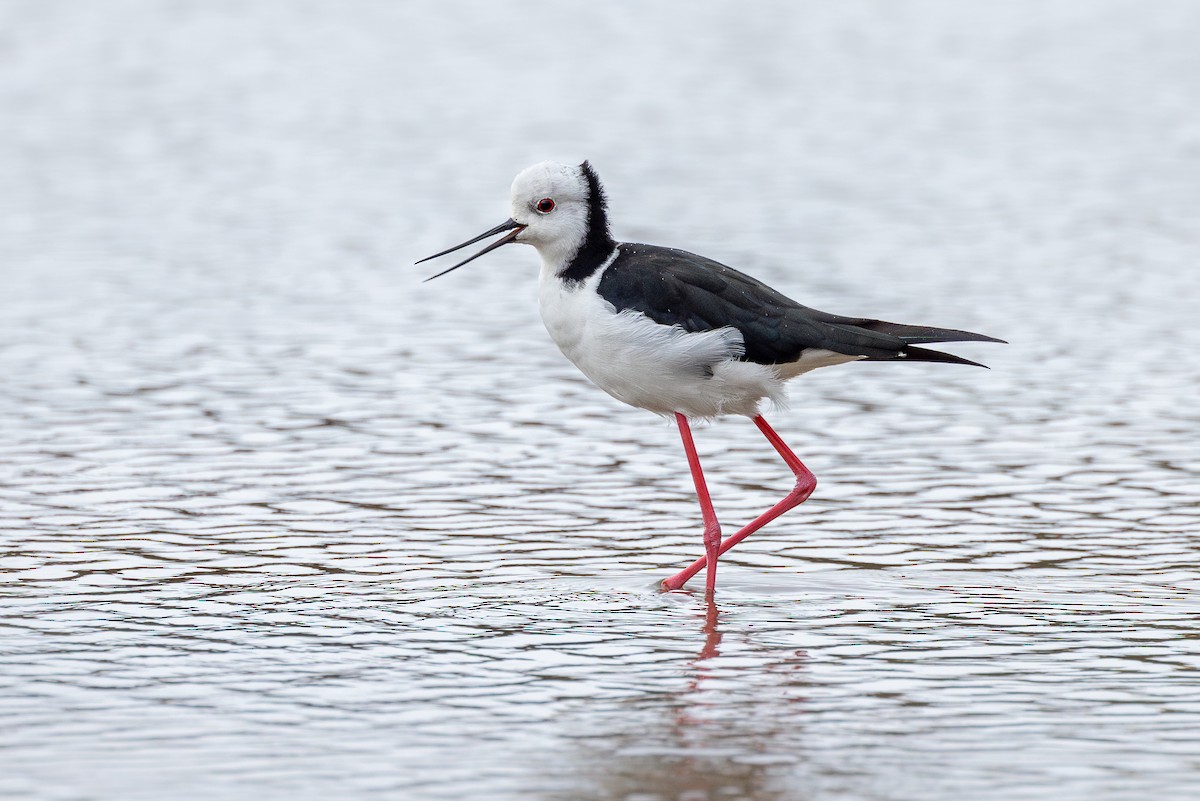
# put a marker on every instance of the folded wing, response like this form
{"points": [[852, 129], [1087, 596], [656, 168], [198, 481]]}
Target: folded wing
{"points": [[674, 287]]}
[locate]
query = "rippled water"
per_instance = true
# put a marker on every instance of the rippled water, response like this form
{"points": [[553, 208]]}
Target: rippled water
{"points": [[279, 521]]}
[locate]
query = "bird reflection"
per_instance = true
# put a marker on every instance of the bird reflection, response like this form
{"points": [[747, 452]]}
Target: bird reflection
{"points": [[712, 633], [721, 714], [699, 671], [728, 730]]}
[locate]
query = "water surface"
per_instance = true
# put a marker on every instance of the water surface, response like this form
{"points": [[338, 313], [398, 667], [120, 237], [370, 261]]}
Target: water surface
{"points": [[279, 521]]}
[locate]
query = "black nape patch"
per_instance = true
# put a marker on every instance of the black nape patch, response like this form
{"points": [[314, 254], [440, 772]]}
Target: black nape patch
{"points": [[598, 244]]}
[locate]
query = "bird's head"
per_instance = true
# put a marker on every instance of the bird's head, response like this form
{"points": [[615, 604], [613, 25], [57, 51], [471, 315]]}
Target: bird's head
{"points": [[558, 208]]}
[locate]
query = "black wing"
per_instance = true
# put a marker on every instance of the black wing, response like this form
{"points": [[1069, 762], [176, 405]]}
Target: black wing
{"points": [[674, 287]]}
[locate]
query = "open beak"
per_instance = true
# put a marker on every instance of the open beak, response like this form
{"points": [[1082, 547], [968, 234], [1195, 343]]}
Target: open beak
{"points": [[507, 225]]}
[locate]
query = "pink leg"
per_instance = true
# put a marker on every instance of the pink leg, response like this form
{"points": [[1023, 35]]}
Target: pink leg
{"points": [[712, 529], [806, 482]]}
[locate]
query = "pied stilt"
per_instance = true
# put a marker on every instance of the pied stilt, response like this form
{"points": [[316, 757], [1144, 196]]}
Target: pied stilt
{"points": [[679, 334]]}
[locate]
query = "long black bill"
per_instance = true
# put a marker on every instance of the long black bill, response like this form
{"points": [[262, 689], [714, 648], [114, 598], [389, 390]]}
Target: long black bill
{"points": [[507, 225]]}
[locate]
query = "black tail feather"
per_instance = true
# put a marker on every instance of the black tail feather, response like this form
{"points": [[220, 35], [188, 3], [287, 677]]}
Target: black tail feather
{"points": [[911, 354]]}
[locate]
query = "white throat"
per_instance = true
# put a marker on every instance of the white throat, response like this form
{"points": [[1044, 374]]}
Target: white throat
{"points": [[557, 255]]}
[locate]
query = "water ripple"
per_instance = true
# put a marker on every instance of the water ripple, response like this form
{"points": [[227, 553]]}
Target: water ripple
{"points": [[278, 521]]}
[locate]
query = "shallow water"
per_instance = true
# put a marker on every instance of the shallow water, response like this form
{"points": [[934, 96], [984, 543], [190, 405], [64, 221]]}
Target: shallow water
{"points": [[279, 521]]}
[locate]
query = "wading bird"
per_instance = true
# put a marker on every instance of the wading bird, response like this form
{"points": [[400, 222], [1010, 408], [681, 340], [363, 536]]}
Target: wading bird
{"points": [[680, 334]]}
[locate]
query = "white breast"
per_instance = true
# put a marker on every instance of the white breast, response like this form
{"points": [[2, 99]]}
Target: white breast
{"points": [[660, 368]]}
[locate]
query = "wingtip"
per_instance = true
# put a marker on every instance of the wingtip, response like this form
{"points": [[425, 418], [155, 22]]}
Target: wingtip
{"points": [[971, 336]]}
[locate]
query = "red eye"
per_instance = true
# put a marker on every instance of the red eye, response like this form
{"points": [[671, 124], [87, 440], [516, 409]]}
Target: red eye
{"points": [[545, 205]]}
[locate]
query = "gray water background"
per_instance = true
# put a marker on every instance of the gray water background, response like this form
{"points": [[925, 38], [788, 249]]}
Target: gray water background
{"points": [[278, 521]]}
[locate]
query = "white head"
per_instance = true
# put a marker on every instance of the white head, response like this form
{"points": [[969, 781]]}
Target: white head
{"points": [[557, 208], [551, 200]]}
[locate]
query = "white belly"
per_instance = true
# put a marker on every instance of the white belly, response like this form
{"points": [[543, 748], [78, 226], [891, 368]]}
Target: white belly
{"points": [[660, 368]]}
